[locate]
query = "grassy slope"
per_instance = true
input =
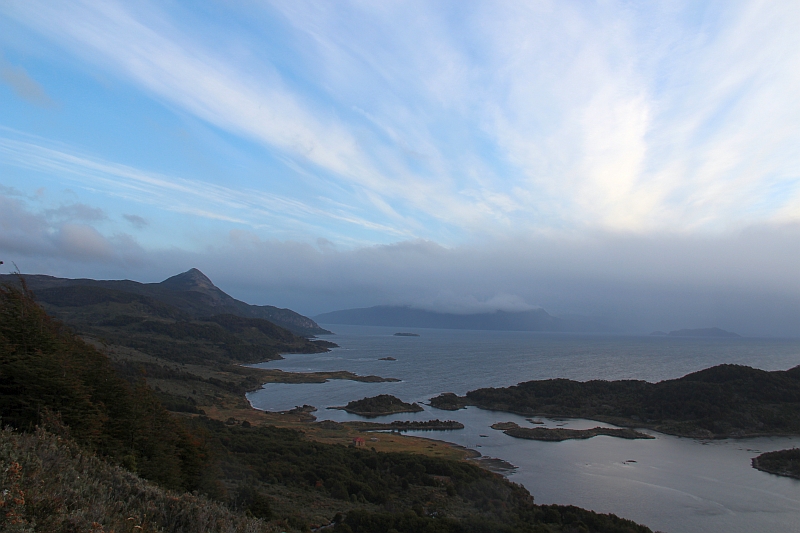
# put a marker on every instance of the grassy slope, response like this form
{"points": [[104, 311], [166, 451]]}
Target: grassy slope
{"points": [[162, 330], [54, 486]]}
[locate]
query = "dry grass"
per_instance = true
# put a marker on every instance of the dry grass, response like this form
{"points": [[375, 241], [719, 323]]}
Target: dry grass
{"points": [[222, 404], [51, 485]]}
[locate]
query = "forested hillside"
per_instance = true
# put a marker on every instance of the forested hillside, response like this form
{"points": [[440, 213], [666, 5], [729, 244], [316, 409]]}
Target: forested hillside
{"points": [[106, 433], [722, 401]]}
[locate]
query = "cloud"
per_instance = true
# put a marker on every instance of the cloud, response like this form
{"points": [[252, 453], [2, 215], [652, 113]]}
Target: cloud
{"points": [[76, 211], [192, 197], [442, 122], [744, 281], [449, 302], [23, 85], [59, 236], [136, 221], [631, 160], [83, 242]]}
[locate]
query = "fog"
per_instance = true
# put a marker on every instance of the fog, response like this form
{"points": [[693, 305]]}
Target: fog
{"points": [[745, 281]]}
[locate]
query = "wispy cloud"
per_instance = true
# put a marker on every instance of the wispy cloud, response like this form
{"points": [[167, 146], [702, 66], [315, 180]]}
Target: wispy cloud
{"points": [[23, 85], [251, 101], [239, 206], [479, 119], [136, 221]]}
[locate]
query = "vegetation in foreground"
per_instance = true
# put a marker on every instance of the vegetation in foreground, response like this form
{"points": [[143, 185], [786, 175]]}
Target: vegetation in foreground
{"points": [[113, 432], [50, 484], [719, 402], [782, 462]]}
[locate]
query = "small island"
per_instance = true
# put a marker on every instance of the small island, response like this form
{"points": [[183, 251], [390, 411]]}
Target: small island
{"points": [[401, 334], [781, 463], [409, 425], [381, 405], [448, 401], [558, 434], [387, 359]]}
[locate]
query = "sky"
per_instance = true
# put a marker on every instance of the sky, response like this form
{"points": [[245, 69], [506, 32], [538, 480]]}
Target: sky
{"points": [[638, 162]]}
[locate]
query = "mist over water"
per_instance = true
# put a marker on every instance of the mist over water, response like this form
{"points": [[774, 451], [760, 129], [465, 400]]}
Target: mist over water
{"points": [[670, 484]]}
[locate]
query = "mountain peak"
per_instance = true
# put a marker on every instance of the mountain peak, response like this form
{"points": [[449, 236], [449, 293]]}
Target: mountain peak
{"points": [[191, 280]]}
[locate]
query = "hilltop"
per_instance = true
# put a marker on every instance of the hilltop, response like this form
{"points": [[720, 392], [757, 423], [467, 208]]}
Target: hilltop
{"points": [[191, 292]]}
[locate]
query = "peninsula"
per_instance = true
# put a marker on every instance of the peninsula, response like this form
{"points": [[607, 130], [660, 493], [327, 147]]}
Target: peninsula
{"points": [[719, 402], [781, 463], [512, 429]]}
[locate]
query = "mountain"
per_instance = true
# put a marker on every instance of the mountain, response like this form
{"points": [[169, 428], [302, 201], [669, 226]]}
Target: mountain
{"points": [[396, 316], [191, 292]]}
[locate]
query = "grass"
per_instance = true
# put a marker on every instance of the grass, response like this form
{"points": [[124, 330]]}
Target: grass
{"points": [[50, 484]]}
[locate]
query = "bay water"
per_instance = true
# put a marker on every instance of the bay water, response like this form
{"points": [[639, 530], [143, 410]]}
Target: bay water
{"points": [[670, 484]]}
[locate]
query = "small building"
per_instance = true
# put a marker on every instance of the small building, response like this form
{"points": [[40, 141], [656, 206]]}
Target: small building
{"points": [[358, 441]]}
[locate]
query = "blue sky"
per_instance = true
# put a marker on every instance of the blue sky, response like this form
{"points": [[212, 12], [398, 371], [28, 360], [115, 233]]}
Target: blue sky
{"points": [[142, 138]]}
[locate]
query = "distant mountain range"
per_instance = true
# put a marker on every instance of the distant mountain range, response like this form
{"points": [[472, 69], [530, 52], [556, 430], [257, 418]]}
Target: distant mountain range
{"points": [[701, 332], [191, 292], [402, 316]]}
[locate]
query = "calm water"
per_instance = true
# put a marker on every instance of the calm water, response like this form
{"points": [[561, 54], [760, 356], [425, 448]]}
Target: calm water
{"points": [[669, 484]]}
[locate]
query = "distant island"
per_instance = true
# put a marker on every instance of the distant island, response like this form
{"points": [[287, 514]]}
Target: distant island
{"points": [[408, 317], [558, 434], [701, 332], [381, 405], [406, 334], [390, 358], [719, 402]]}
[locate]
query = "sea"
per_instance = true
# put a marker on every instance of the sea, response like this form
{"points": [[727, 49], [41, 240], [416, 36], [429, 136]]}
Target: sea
{"points": [[670, 484]]}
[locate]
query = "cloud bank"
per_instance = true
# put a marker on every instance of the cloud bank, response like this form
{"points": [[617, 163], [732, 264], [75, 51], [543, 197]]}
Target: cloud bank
{"points": [[745, 281], [636, 162]]}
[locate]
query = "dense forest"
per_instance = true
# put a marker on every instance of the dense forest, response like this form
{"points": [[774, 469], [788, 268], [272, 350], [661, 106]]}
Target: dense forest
{"points": [[781, 462], [718, 402], [88, 450]]}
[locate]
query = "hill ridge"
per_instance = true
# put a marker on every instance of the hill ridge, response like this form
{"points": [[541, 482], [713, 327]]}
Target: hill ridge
{"points": [[191, 292]]}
